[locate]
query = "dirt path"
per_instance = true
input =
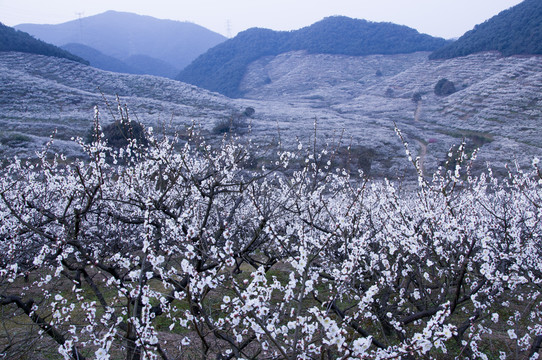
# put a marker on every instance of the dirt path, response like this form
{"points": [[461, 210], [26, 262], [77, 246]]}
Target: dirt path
{"points": [[418, 111]]}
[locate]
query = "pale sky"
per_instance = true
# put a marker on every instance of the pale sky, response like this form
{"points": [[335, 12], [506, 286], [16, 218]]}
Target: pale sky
{"points": [[444, 18]]}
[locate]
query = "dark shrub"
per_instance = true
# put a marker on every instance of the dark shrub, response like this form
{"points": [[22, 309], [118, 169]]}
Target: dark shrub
{"points": [[249, 112], [444, 87], [234, 124], [15, 140], [120, 132]]}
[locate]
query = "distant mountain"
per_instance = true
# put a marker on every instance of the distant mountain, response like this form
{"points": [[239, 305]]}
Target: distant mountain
{"points": [[135, 64], [517, 30], [13, 40], [222, 68], [144, 64], [98, 59], [122, 35]]}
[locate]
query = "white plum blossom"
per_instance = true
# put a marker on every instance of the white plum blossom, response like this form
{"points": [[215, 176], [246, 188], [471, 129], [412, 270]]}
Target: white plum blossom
{"points": [[181, 244]]}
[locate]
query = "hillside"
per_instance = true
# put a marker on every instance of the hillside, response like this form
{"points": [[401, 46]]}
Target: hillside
{"points": [[497, 106], [144, 64], [222, 68], [98, 59], [14, 40], [515, 31], [39, 94], [122, 35], [345, 36]]}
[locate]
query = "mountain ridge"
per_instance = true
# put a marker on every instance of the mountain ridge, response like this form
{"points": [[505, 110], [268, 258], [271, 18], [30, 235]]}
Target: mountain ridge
{"points": [[98, 59], [16, 40], [121, 35], [515, 31], [222, 68]]}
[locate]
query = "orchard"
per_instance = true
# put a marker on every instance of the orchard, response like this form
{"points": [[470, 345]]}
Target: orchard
{"points": [[183, 249]]}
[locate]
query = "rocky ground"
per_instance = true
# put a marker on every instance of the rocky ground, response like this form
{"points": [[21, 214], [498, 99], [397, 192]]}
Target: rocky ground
{"points": [[354, 100]]}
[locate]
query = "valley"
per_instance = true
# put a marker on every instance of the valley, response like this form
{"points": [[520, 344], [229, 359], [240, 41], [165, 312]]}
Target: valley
{"points": [[276, 194]]}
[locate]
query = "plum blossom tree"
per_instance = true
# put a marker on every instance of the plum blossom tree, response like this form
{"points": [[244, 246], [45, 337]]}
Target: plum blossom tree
{"points": [[176, 250]]}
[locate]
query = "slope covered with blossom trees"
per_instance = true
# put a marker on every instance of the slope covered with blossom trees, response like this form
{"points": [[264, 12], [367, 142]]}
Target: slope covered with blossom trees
{"points": [[187, 250], [496, 107]]}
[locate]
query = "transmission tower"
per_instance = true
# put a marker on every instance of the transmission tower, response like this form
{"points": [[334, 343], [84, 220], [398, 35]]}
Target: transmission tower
{"points": [[228, 28], [79, 15]]}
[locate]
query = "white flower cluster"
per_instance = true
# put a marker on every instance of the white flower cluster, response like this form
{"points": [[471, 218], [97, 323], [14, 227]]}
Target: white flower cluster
{"points": [[181, 249]]}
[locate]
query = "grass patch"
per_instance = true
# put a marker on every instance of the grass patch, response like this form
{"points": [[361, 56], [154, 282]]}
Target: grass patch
{"points": [[472, 135], [15, 139]]}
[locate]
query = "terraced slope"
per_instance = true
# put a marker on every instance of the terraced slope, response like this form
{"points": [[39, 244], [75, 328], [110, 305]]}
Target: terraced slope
{"points": [[322, 76], [498, 105], [39, 94]]}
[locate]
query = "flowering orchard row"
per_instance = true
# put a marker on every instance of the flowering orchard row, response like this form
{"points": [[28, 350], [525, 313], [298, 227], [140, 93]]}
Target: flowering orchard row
{"points": [[176, 250]]}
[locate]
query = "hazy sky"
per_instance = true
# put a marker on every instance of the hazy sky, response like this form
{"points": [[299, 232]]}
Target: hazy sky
{"points": [[445, 18]]}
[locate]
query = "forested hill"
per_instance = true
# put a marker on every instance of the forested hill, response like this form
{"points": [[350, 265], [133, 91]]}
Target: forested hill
{"points": [[346, 36], [14, 40], [222, 68], [517, 30]]}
